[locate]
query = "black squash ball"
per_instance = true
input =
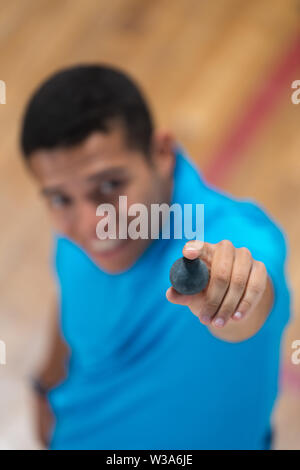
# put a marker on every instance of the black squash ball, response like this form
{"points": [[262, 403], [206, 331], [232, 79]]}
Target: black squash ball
{"points": [[189, 276]]}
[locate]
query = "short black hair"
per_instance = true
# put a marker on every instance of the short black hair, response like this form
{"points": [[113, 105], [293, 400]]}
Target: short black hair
{"points": [[79, 100]]}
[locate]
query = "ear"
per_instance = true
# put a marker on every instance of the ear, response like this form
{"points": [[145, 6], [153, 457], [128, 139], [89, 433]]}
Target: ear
{"points": [[164, 152]]}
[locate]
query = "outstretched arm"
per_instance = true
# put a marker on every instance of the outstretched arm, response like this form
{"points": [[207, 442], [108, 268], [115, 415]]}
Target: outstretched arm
{"points": [[239, 296]]}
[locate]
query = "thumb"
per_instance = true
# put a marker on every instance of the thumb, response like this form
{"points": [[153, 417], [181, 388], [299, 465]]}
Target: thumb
{"points": [[199, 249]]}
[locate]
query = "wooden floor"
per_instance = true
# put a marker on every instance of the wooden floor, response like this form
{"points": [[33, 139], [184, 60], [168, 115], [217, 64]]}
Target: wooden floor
{"points": [[201, 64]]}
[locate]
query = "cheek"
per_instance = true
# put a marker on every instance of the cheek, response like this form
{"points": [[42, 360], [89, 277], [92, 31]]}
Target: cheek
{"points": [[62, 222], [144, 191]]}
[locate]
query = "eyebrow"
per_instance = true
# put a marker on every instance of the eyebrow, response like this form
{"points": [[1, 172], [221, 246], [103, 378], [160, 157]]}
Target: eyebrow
{"points": [[50, 191], [107, 173]]}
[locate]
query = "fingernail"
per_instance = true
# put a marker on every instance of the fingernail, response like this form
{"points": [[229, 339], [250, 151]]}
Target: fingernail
{"points": [[237, 315], [194, 245], [205, 319], [219, 322]]}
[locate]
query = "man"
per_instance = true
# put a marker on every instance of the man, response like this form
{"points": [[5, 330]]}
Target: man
{"points": [[131, 367]]}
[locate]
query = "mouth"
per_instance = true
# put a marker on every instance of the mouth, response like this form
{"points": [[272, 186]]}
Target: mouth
{"points": [[106, 248]]}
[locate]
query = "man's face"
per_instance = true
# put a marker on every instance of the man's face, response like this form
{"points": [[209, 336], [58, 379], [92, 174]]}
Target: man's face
{"points": [[76, 180]]}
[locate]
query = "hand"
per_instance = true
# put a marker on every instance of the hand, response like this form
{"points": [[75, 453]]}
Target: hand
{"points": [[237, 283], [44, 418]]}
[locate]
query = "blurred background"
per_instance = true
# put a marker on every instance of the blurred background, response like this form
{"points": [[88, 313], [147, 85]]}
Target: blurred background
{"points": [[218, 73]]}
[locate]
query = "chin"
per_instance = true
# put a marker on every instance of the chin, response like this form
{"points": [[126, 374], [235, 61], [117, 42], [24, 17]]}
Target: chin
{"points": [[118, 258], [116, 267]]}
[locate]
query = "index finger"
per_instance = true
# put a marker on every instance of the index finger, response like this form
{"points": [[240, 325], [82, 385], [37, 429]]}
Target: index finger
{"points": [[199, 249]]}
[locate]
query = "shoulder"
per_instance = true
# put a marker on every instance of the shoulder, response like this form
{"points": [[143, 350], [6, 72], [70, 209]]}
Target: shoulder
{"points": [[68, 259], [242, 220]]}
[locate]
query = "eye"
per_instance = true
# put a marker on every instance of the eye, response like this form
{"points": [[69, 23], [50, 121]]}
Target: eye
{"points": [[58, 200], [109, 186]]}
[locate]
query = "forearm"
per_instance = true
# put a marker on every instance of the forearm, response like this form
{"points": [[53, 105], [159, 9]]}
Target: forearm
{"points": [[52, 370], [50, 374]]}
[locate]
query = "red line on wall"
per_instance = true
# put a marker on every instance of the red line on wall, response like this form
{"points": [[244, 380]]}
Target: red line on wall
{"points": [[230, 152]]}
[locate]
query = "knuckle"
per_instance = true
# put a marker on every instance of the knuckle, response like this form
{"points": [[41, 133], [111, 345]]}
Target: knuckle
{"points": [[220, 278], [221, 275], [226, 311], [245, 251], [239, 282], [255, 289], [260, 266], [247, 304], [212, 303], [225, 243]]}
